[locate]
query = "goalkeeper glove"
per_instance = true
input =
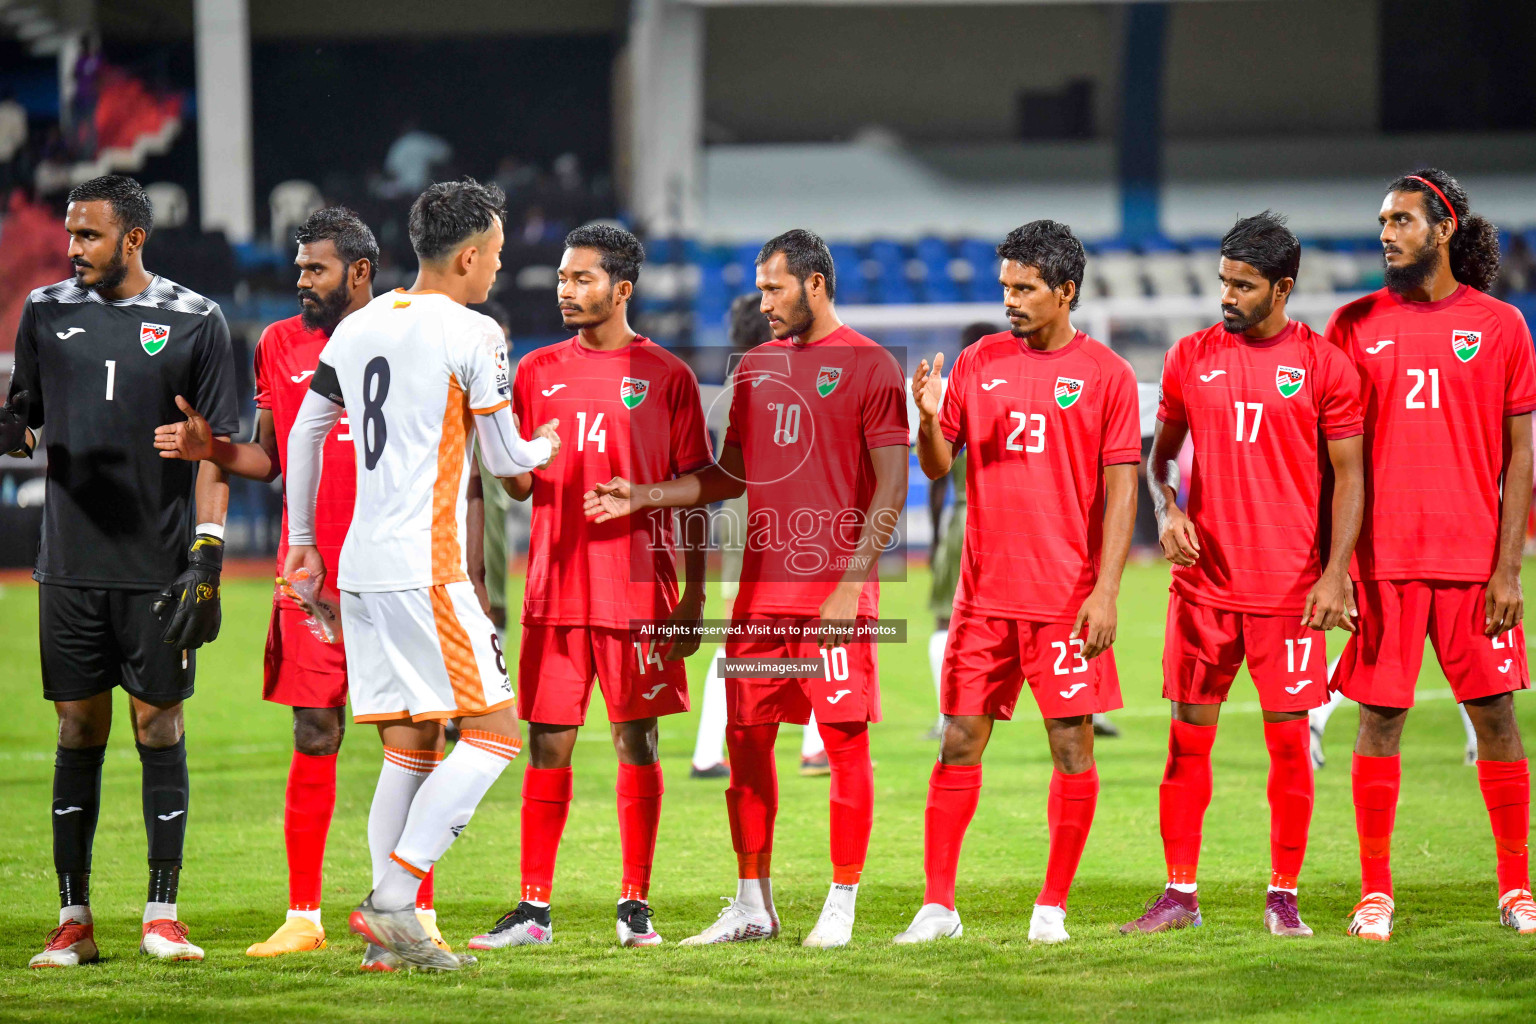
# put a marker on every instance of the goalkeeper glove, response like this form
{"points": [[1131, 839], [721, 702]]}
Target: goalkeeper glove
{"points": [[13, 423], [195, 596]]}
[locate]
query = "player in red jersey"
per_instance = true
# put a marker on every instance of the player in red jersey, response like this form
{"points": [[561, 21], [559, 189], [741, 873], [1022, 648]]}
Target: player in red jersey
{"points": [[337, 255], [1260, 396], [1447, 378], [633, 409], [1050, 417], [818, 441]]}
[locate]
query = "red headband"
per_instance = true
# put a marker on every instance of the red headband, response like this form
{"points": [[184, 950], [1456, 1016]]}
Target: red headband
{"points": [[1436, 190]]}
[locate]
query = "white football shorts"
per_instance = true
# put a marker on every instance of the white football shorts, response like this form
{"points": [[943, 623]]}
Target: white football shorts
{"points": [[420, 654]]}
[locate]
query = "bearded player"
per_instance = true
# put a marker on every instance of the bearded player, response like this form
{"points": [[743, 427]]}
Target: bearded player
{"points": [[634, 410], [1448, 385], [1254, 394], [1052, 422], [336, 260], [818, 440]]}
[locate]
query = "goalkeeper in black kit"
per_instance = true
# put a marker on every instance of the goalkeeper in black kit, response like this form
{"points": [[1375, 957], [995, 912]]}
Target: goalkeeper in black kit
{"points": [[132, 544]]}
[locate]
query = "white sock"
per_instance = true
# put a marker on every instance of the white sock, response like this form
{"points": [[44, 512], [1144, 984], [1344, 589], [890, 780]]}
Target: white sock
{"points": [[399, 779], [1466, 723], [441, 810], [841, 897], [936, 644], [75, 913], [1181, 887], [755, 894], [709, 745], [160, 912], [312, 916], [810, 740]]}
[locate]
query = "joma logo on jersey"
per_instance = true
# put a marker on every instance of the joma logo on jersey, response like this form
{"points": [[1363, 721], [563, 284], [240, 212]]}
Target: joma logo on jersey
{"points": [[1288, 379], [1068, 391], [632, 391], [827, 380], [153, 337], [1466, 343]]}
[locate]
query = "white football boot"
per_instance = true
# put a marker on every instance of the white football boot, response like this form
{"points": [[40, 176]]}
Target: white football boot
{"points": [[167, 940], [1373, 918], [634, 925], [526, 925], [1518, 911], [736, 923], [69, 945], [1048, 924], [933, 921]]}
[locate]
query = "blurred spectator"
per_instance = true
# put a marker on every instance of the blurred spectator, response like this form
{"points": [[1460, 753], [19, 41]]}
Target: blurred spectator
{"points": [[514, 176], [413, 158], [52, 173], [537, 229], [567, 170], [13, 139], [88, 67]]}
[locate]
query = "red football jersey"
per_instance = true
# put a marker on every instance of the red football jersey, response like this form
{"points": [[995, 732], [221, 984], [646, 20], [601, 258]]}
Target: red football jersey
{"points": [[1437, 380], [805, 418], [635, 413], [1040, 427], [1255, 411], [285, 360]]}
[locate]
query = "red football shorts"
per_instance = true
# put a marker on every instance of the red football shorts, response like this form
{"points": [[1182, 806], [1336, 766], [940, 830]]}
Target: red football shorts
{"points": [[557, 665], [846, 690], [299, 670], [1203, 647], [987, 661], [1381, 662]]}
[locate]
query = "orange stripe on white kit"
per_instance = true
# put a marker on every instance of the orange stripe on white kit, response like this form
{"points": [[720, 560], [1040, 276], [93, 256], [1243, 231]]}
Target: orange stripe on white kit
{"points": [[414, 762], [506, 747]]}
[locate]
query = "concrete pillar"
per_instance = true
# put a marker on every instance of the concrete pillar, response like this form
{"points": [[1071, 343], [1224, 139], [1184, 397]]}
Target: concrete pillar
{"points": [[1140, 131], [665, 126], [224, 162]]}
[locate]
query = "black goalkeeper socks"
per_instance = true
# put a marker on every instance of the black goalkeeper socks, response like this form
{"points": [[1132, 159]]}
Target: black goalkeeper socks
{"points": [[165, 791], [76, 804]]}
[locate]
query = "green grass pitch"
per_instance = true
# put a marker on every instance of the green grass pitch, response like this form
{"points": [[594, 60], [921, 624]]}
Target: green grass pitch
{"points": [[1449, 960]]}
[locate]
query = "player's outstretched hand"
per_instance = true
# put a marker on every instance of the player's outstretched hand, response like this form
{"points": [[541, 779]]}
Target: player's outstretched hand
{"points": [[928, 386], [1330, 604], [1504, 606], [1095, 623], [608, 501], [1181, 545], [190, 440], [13, 422], [548, 430], [193, 597], [688, 619]]}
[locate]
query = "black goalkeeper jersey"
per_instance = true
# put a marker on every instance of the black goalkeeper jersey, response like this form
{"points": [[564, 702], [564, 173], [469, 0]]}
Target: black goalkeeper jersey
{"points": [[103, 375]]}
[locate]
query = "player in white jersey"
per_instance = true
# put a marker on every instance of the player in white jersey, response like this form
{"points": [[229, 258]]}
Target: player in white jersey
{"points": [[415, 372]]}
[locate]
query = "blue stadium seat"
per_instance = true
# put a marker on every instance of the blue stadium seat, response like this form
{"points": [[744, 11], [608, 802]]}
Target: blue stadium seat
{"points": [[852, 289]]}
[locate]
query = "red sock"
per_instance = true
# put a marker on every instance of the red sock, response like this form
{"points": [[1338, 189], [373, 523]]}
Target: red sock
{"points": [[639, 791], [307, 810], [546, 805], [1506, 789], [1290, 798], [1184, 796], [424, 891], [1069, 813], [1376, 782], [853, 797], [953, 792], [752, 798]]}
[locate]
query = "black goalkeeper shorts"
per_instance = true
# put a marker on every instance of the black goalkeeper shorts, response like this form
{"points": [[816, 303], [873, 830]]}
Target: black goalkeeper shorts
{"points": [[92, 640]]}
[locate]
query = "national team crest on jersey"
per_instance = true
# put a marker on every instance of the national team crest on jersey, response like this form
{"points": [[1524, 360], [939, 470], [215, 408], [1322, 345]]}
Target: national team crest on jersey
{"points": [[1466, 343], [154, 336], [1068, 391], [632, 391], [827, 380], [1288, 379]]}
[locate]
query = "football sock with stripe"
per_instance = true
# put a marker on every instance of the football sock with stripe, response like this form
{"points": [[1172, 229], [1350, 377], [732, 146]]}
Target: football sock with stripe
{"points": [[164, 790], [441, 811], [1290, 799], [76, 805], [307, 808], [852, 797], [400, 777], [752, 798], [1069, 814], [638, 789], [1506, 787], [1376, 781], [1183, 798], [546, 806], [953, 792]]}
